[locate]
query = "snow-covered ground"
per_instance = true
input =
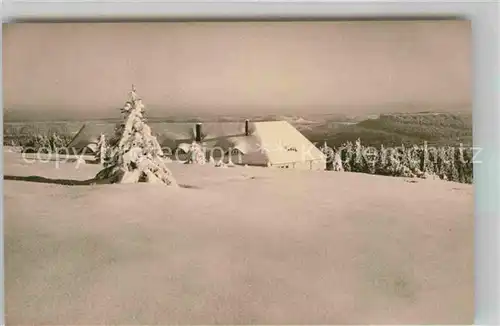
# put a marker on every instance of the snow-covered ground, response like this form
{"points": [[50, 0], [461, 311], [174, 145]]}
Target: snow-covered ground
{"points": [[235, 246]]}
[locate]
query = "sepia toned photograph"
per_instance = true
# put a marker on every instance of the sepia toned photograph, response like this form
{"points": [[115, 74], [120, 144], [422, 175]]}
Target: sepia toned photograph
{"points": [[238, 172]]}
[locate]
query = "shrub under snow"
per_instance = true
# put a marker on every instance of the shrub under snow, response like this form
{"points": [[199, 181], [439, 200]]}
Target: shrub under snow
{"points": [[196, 154]]}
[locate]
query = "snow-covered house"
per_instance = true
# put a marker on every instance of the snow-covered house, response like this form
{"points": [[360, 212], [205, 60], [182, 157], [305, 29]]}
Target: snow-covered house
{"points": [[267, 143]]}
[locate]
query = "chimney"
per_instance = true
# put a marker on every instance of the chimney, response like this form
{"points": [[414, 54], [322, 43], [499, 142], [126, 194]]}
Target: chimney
{"points": [[247, 129], [198, 133]]}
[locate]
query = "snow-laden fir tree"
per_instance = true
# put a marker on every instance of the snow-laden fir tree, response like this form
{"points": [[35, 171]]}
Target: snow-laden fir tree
{"points": [[393, 162], [404, 157], [357, 161], [433, 159], [369, 159], [414, 160], [43, 142], [410, 161], [403, 166], [460, 164], [426, 164], [346, 153], [397, 163], [56, 142], [381, 164], [468, 156], [134, 154], [328, 152], [102, 151], [337, 162], [443, 163], [453, 165]]}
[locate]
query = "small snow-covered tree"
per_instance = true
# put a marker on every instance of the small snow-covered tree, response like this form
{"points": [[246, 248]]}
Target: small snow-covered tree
{"points": [[329, 155], [369, 159], [460, 164], [196, 154], [468, 155], [337, 162], [443, 163], [134, 153], [426, 164], [347, 155], [43, 142], [404, 159], [414, 154], [393, 162], [381, 164], [55, 142], [398, 163], [357, 161]]}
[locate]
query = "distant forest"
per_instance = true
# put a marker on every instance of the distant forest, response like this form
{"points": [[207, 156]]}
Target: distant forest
{"points": [[437, 129]]}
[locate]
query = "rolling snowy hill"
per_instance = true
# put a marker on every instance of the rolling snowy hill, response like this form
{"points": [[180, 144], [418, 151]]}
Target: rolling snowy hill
{"points": [[235, 246]]}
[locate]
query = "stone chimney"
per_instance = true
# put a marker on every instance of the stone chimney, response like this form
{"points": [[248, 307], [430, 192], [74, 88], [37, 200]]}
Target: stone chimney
{"points": [[247, 129], [198, 132]]}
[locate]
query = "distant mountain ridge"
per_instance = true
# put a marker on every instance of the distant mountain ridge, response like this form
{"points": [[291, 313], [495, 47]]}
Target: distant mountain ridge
{"points": [[340, 113]]}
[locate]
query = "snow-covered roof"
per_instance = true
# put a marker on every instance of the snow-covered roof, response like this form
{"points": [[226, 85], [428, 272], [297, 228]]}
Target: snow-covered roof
{"points": [[281, 143], [90, 133]]}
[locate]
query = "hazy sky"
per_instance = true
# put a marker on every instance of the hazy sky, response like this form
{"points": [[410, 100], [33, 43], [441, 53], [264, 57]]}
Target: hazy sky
{"points": [[234, 67]]}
